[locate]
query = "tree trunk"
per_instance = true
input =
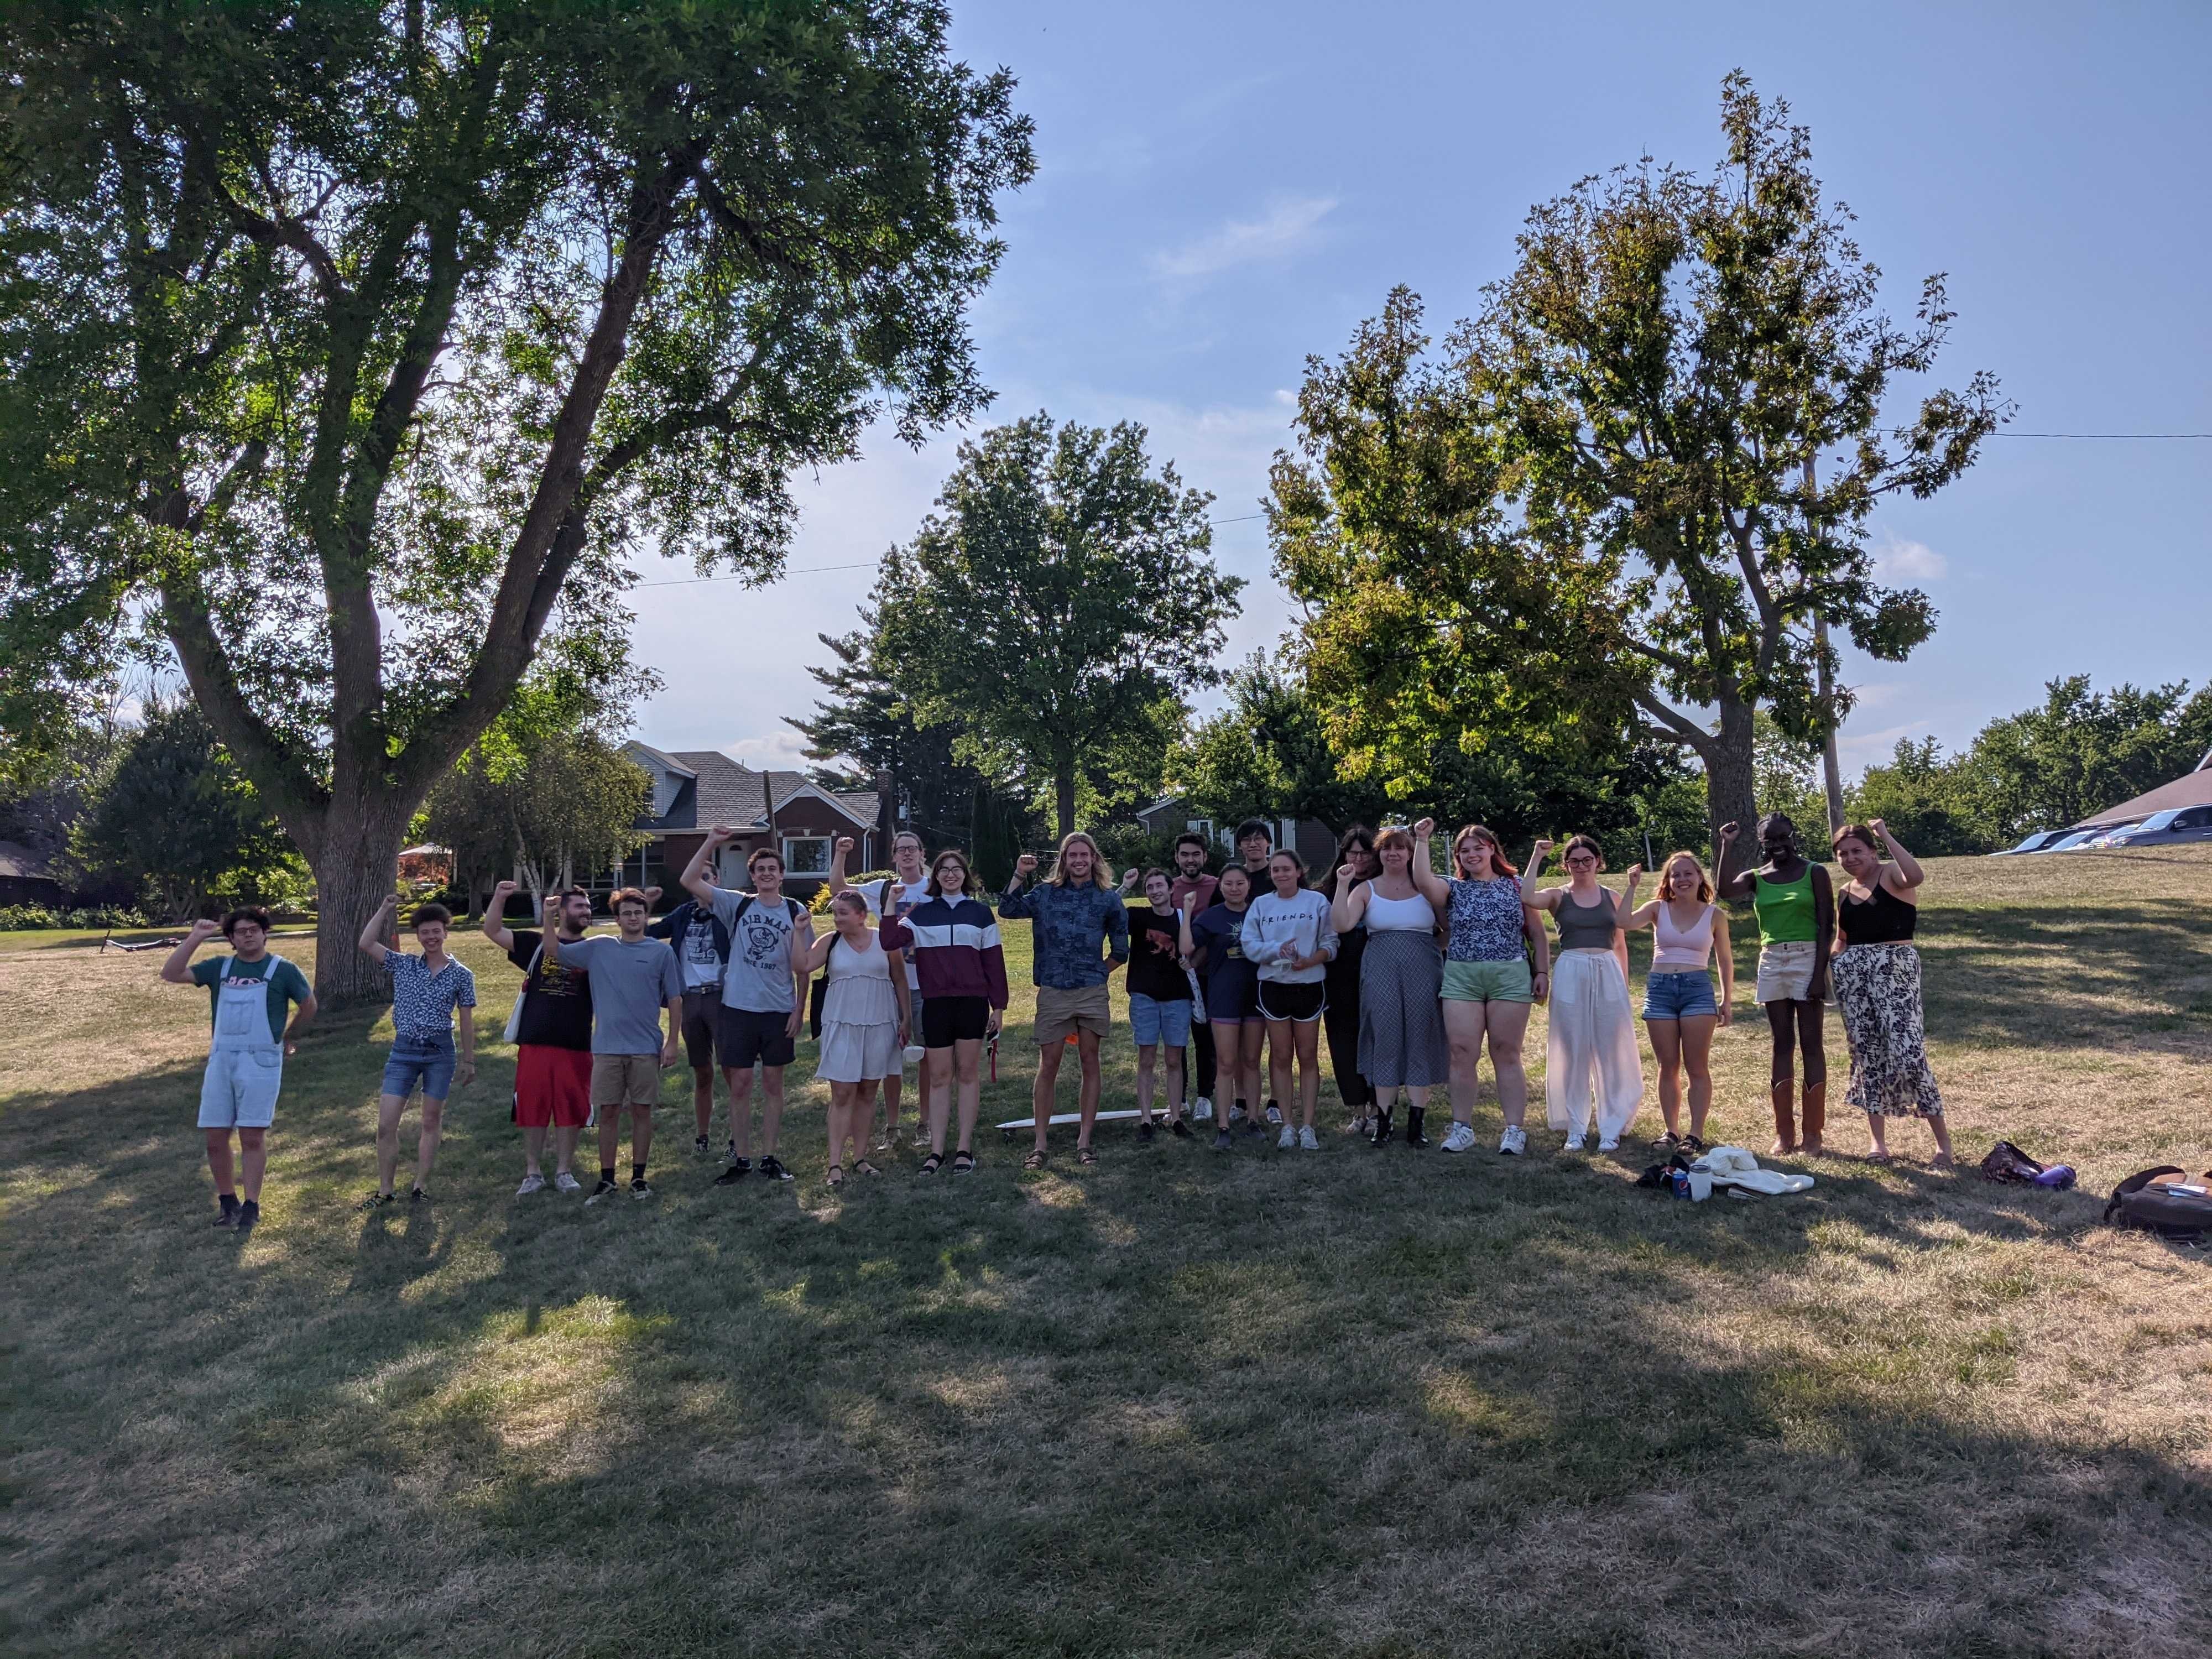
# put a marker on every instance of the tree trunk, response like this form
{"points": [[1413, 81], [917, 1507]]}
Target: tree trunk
{"points": [[1731, 795], [1063, 788], [355, 859]]}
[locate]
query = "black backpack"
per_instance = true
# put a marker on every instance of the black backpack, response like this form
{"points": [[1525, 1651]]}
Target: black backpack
{"points": [[2149, 1201]]}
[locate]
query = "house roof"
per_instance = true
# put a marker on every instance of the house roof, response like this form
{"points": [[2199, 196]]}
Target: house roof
{"points": [[719, 790], [19, 861], [2190, 789]]}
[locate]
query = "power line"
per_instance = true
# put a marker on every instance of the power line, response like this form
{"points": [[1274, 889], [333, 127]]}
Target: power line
{"points": [[2101, 435], [865, 564]]}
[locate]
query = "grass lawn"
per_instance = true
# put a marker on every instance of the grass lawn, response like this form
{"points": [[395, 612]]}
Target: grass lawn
{"points": [[1366, 1403]]}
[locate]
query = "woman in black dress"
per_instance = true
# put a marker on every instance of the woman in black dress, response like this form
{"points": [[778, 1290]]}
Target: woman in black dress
{"points": [[1340, 1019]]}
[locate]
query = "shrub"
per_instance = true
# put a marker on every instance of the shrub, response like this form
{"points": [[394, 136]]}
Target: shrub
{"points": [[16, 917]]}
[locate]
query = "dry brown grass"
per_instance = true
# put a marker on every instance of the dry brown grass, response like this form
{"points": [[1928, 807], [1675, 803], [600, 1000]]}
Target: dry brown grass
{"points": [[1370, 1402]]}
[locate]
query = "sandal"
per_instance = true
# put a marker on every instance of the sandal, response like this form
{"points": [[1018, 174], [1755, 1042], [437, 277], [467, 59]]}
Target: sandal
{"points": [[1085, 1155], [963, 1162], [866, 1168], [1035, 1160], [932, 1163], [836, 1174]]}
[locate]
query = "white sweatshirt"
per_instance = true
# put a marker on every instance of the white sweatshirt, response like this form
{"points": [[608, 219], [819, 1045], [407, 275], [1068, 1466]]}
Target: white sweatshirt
{"points": [[1300, 922]]}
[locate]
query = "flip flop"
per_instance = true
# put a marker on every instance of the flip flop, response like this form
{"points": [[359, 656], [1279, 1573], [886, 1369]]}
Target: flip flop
{"points": [[1035, 1160], [1085, 1155]]}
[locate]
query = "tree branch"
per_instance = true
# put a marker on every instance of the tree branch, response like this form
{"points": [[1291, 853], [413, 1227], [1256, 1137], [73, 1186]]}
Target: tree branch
{"points": [[1677, 727]]}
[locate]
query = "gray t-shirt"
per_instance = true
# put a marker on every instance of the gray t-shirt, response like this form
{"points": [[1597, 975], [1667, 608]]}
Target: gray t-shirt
{"points": [[630, 984], [759, 977]]}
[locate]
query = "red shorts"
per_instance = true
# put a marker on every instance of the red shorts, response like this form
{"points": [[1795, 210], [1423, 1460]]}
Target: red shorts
{"points": [[552, 1086]]}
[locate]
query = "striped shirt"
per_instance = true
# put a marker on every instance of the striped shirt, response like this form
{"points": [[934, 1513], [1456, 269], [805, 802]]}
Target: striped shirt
{"points": [[953, 947]]}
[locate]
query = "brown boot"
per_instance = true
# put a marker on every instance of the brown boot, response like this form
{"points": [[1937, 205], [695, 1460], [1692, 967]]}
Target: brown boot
{"points": [[1785, 1125], [1816, 1115]]}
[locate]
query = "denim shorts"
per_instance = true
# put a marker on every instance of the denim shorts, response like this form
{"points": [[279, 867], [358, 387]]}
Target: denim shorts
{"points": [[1683, 994], [430, 1062], [1153, 1022]]}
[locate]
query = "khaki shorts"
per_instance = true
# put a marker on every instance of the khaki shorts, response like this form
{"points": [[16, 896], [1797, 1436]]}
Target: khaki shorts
{"points": [[625, 1079], [1060, 1014], [1785, 970]]}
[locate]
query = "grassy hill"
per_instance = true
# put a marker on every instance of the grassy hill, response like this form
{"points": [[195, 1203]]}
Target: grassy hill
{"points": [[1371, 1402]]}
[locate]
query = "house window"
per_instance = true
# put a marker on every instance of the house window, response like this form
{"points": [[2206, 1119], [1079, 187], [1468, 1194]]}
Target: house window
{"points": [[1200, 826], [807, 855]]}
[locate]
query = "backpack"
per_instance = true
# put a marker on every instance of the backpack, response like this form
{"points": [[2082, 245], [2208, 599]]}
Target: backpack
{"points": [[2177, 1209]]}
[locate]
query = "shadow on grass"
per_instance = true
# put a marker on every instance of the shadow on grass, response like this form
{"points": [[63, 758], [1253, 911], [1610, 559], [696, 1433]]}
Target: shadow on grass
{"points": [[1365, 1403]]}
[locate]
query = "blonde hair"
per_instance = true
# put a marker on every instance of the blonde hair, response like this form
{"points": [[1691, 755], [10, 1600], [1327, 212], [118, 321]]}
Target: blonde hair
{"points": [[1100, 875], [1667, 875]]}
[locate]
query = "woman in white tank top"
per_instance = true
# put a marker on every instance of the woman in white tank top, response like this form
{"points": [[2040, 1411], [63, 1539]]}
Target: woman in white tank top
{"points": [[1680, 1011], [1402, 1029], [864, 1025]]}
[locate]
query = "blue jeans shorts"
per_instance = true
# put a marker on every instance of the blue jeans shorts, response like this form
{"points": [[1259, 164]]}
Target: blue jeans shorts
{"points": [[430, 1062], [1153, 1022], [1679, 996]]}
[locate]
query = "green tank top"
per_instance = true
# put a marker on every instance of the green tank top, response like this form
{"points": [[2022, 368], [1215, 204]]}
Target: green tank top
{"points": [[1784, 907]]}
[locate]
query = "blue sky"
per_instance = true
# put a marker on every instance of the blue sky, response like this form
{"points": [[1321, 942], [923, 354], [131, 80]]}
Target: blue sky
{"points": [[1224, 190]]}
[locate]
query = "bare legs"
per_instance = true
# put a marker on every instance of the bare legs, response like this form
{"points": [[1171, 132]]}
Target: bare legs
{"points": [[741, 1108], [1467, 1024], [1238, 1046], [1299, 1039], [640, 1135], [1048, 1077], [388, 1109], [1147, 1053], [1795, 1025], [851, 1106], [1877, 1127], [702, 1101], [960, 1064], [254, 1155], [565, 1137], [1679, 1046]]}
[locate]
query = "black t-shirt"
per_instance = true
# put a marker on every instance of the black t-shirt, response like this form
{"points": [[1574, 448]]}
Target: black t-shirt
{"points": [[1155, 940], [557, 1003]]}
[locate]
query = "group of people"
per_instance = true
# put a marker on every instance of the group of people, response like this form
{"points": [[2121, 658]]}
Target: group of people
{"points": [[1411, 973]]}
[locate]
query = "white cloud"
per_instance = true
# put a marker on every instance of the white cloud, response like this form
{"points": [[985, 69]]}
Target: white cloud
{"points": [[1286, 228], [1899, 560]]}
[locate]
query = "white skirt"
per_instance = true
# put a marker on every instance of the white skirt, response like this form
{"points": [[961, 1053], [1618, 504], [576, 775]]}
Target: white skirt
{"points": [[1592, 1052], [858, 1054]]}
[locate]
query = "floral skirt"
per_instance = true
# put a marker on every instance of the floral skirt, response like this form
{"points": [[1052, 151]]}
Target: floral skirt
{"points": [[1877, 993]]}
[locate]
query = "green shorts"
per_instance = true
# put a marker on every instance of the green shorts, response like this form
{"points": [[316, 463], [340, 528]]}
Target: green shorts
{"points": [[1488, 981]]}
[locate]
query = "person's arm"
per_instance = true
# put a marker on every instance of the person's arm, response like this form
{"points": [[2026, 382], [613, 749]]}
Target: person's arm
{"points": [[895, 959], [1430, 885], [837, 881], [1184, 942], [802, 939], [1621, 906], [808, 955], [664, 927], [1014, 901], [1726, 952], [1532, 924], [1744, 882], [696, 880], [177, 970], [1532, 871], [494, 926], [1641, 916], [1129, 880], [1824, 933], [302, 1017], [1904, 874], [466, 1013], [551, 923], [1350, 904], [1326, 941], [1117, 933], [370, 941]]}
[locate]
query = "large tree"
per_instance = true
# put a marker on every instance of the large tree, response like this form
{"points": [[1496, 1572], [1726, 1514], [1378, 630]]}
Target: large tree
{"points": [[1639, 479], [1059, 605], [351, 347]]}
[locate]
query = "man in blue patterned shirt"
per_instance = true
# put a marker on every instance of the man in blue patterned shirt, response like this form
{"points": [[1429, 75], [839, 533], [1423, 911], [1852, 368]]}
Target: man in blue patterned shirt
{"points": [[1072, 914]]}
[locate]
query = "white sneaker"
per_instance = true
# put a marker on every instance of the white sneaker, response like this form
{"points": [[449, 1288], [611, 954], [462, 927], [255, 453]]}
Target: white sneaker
{"points": [[530, 1183], [1201, 1110], [1608, 1145], [568, 1183], [1574, 1143], [1307, 1139], [1461, 1139], [1513, 1141], [1287, 1139]]}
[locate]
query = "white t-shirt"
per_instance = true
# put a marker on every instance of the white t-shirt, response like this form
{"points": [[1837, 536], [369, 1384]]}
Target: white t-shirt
{"points": [[872, 892]]}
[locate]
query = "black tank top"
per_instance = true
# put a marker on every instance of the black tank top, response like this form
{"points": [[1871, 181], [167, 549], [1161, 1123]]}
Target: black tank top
{"points": [[1885, 918]]}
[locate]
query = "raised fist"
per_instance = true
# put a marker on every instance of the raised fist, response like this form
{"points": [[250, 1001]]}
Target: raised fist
{"points": [[1542, 848], [502, 890], [893, 892], [651, 896], [1425, 829], [1635, 874], [1190, 902], [1026, 864], [1730, 832], [1879, 828], [720, 834], [205, 928], [1346, 877], [845, 845]]}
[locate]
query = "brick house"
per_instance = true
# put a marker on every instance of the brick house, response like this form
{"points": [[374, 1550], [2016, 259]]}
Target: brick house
{"points": [[693, 790]]}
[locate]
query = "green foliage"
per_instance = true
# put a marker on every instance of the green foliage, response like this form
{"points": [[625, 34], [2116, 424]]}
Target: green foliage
{"points": [[549, 804], [1786, 778], [1267, 754], [357, 349], [2080, 753], [1057, 609], [1923, 800], [19, 918], [174, 819], [1639, 476]]}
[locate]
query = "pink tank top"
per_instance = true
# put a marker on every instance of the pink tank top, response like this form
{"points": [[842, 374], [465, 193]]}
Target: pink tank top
{"points": [[1681, 950]]}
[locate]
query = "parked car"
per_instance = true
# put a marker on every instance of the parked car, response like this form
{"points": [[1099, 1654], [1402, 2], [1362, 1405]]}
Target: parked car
{"points": [[2175, 825], [2041, 841], [2074, 841]]}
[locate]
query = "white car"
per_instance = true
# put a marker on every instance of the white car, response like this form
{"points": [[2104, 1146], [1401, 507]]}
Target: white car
{"points": [[2041, 841], [2171, 828], [2079, 842]]}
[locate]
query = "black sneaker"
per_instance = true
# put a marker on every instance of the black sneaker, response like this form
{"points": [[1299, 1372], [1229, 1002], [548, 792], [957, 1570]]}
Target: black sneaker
{"points": [[1254, 1126], [639, 1189], [772, 1169], [248, 1213], [739, 1170], [417, 1195], [227, 1215], [1179, 1129], [699, 1146], [1223, 1140], [600, 1191], [1145, 1130], [376, 1201]]}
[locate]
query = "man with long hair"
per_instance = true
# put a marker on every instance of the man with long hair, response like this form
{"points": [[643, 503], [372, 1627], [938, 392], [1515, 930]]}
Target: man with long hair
{"points": [[1073, 914]]}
